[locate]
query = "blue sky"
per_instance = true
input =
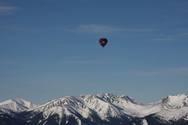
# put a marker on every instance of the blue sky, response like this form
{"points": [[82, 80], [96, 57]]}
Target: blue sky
{"points": [[49, 48]]}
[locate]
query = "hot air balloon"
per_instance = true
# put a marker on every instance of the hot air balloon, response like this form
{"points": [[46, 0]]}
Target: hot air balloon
{"points": [[103, 41]]}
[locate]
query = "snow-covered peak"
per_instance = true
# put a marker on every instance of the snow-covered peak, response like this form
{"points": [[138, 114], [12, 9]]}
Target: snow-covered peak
{"points": [[110, 98], [16, 105], [174, 107], [71, 101], [174, 102], [65, 106], [102, 104]]}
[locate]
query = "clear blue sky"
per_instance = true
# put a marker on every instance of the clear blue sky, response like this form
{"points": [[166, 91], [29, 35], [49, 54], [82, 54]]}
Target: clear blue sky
{"points": [[49, 48]]}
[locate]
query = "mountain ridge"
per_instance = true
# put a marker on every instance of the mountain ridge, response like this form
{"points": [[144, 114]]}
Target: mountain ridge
{"points": [[16, 105], [105, 109]]}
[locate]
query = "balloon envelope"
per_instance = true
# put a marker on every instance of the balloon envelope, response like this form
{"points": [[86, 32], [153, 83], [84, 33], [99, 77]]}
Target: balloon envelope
{"points": [[103, 41]]}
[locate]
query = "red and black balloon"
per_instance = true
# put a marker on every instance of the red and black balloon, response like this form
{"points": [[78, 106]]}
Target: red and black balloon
{"points": [[103, 41]]}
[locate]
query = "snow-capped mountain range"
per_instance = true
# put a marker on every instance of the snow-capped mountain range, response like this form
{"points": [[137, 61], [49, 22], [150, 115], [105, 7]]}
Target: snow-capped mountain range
{"points": [[100, 109]]}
